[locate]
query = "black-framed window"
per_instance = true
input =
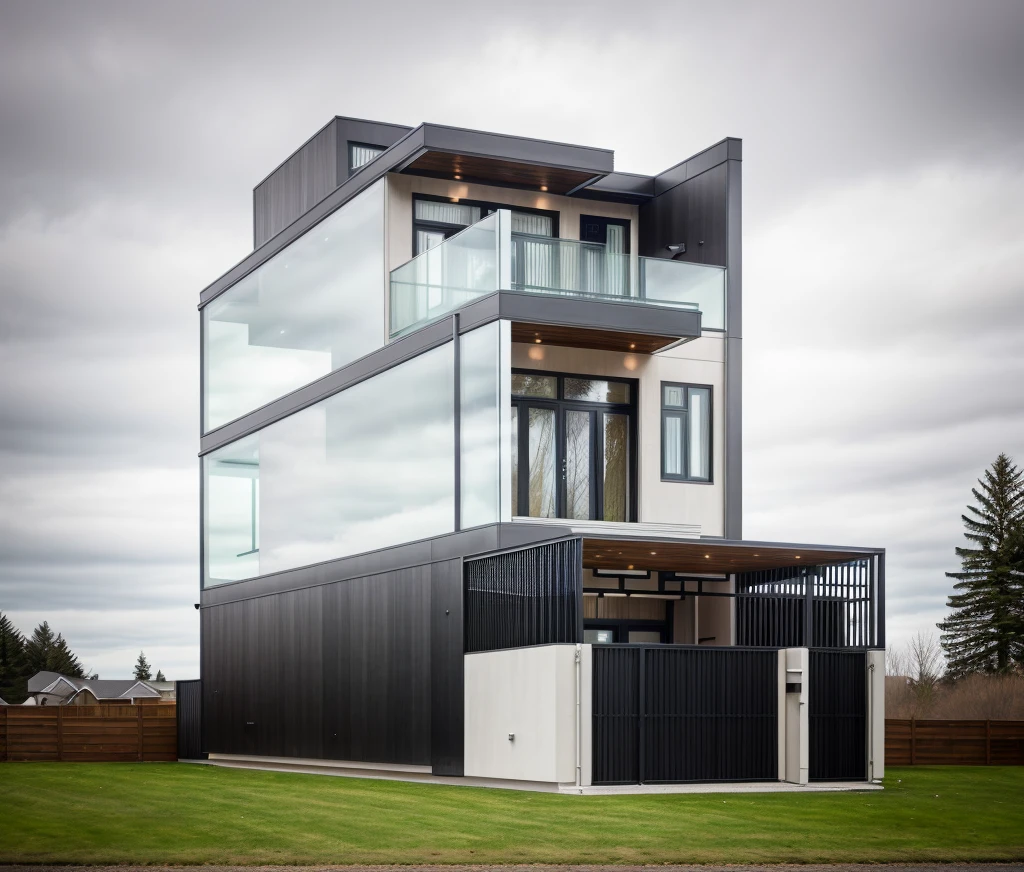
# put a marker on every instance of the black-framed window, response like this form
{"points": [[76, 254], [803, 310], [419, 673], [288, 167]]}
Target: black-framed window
{"points": [[361, 153], [435, 219], [686, 417], [573, 446]]}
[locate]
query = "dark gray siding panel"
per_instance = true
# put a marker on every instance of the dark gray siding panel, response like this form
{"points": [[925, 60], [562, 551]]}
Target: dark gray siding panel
{"points": [[189, 713], [340, 671], [377, 668], [298, 184], [693, 212], [447, 674]]}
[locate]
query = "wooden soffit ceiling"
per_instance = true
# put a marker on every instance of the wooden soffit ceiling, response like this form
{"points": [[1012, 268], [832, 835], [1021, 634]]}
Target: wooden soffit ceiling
{"points": [[583, 337], [705, 556], [556, 180]]}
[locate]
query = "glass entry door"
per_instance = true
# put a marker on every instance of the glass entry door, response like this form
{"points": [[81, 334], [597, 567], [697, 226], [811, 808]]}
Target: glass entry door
{"points": [[572, 447]]}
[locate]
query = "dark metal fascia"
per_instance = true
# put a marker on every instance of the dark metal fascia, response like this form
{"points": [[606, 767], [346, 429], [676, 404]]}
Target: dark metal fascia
{"points": [[502, 146], [477, 541], [730, 148], [620, 317]]}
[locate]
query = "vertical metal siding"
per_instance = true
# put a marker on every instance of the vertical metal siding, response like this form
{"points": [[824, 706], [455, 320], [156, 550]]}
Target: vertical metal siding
{"points": [[841, 603], [297, 185], [665, 713], [189, 700], [616, 715], [532, 596], [837, 715]]}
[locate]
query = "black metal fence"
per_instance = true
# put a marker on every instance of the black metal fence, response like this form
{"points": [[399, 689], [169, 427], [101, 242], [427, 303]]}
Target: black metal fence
{"points": [[837, 715], [527, 597], [837, 606], [189, 697], [668, 713]]}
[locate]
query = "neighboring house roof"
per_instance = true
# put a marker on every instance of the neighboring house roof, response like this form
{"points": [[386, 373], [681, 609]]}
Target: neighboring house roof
{"points": [[41, 680], [162, 686], [101, 688], [2, 701]]}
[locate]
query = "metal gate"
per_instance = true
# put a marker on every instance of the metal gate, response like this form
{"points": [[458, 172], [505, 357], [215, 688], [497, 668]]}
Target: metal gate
{"points": [[189, 698], [837, 715], [673, 713]]}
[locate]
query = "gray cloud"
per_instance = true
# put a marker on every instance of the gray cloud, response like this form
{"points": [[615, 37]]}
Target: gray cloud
{"points": [[883, 183]]}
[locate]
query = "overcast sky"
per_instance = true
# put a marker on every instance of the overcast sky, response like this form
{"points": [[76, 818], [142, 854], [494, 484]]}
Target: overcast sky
{"points": [[883, 232]]}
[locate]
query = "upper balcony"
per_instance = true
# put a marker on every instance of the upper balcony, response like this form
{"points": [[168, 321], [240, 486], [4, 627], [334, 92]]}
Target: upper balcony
{"points": [[488, 257]]}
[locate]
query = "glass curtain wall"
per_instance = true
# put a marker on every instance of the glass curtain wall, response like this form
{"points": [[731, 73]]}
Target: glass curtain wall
{"points": [[367, 468], [483, 406], [312, 308]]}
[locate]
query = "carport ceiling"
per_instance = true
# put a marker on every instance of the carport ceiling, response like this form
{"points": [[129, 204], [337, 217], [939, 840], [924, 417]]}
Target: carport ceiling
{"points": [[702, 555]]}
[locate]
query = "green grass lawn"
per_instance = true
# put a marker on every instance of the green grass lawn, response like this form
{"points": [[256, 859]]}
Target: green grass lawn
{"points": [[183, 813]]}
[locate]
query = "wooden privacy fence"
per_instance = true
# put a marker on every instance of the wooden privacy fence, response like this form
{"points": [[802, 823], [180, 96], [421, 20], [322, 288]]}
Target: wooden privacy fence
{"points": [[88, 734], [953, 743]]}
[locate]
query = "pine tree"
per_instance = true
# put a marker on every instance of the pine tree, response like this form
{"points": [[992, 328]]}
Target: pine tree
{"points": [[159, 676], [14, 672], [44, 651], [142, 668], [985, 632]]}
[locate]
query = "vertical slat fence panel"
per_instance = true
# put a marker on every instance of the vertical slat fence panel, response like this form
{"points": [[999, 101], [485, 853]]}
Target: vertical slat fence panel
{"points": [[837, 715]]}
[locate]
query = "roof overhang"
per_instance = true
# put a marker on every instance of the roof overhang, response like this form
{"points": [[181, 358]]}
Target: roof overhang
{"points": [[710, 555], [509, 161], [576, 322]]}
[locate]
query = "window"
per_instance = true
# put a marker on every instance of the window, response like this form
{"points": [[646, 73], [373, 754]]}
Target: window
{"points": [[434, 220], [360, 154], [685, 432], [573, 447]]}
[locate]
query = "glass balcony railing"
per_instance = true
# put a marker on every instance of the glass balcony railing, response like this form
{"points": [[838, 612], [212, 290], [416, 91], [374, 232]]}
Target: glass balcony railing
{"points": [[488, 257]]}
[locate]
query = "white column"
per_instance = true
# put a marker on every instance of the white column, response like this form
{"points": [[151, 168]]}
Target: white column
{"points": [[797, 733], [876, 714], [587, 715]]}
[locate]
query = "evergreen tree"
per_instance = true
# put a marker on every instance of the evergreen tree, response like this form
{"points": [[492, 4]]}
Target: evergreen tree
{"points": [[44, 651], [159, 676], [14, 672], [985, 632], [142, 668]]}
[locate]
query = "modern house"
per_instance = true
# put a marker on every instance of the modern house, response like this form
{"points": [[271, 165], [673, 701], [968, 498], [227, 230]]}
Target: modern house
{"points": [[52, 688], [472, 482]]}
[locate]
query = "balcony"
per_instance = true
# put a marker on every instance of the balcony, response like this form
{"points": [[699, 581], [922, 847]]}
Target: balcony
{"points": [[488, 257]]}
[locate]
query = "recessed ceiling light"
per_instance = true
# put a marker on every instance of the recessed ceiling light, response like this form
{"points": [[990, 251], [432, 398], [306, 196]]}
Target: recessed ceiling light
{"points": [[544, 187], [653, 553], [797, 556], [458, 178], [537, 340], [632, 345], [708, 556], [630, 566]]}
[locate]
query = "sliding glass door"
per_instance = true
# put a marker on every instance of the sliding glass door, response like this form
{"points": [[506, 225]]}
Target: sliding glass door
{"points": [[572, 448]]}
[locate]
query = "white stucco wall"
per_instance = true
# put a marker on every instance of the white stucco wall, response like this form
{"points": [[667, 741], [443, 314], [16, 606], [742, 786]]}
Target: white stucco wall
{"points": [[531, 694], [876, 714], [798, 747]]}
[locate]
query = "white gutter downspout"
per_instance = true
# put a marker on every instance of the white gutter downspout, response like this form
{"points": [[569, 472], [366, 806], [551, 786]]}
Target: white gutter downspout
{"points": [[871, 722], [579, 727]]}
